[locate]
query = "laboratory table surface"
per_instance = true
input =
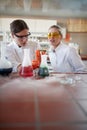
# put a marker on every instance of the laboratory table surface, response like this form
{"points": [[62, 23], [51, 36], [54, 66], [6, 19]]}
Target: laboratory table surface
{"points": [[56, 102]]}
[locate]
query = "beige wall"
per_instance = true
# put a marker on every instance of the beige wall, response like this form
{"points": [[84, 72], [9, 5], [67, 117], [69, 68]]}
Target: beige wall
{"points": [[81, 39]]}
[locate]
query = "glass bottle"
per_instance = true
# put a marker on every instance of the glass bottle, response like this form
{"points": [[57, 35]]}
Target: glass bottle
{"points": [[36, 63], [37, 60], [43, 69], [26, 69], [5, 64]]}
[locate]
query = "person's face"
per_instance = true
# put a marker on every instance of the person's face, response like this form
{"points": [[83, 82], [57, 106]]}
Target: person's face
{"points": [[54, 37], [21, 38]]}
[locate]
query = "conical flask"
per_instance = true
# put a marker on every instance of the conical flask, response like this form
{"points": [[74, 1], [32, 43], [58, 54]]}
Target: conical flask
{"points": [[43, 70], [5, 64], [26, 69]]}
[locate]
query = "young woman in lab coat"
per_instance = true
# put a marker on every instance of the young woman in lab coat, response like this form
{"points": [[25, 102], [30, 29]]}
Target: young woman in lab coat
{"points": [[62, 57], [14, 51]]}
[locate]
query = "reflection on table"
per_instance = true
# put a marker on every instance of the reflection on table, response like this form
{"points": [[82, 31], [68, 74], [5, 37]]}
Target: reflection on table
{"points": [[56, 102]]}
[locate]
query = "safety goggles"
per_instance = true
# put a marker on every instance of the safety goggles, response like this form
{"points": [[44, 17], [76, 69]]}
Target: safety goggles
{"points": [[24, 36], [54, 34]]}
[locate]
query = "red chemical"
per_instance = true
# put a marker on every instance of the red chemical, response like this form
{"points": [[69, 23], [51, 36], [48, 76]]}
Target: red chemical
{"points": [[26, 71]]}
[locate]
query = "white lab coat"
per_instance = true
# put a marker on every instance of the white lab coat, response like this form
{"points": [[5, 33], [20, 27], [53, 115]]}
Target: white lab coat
{"points": [[15, 54], [66, 59]]}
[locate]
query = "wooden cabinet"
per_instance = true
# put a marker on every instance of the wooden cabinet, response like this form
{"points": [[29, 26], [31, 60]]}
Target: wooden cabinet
{"points": [[74, 25], [77, 25]]}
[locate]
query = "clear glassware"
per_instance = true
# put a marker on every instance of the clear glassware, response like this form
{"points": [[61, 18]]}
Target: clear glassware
{"points": [[43, 69], [5, 64], [26, 69]]}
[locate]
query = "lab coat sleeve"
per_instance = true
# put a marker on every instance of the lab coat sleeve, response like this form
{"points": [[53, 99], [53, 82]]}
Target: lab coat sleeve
{"points": [[75, 61], [10, 55], [33, 47]]}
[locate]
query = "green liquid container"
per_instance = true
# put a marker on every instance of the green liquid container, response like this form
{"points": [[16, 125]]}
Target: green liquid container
{"points": [[43, 70]]}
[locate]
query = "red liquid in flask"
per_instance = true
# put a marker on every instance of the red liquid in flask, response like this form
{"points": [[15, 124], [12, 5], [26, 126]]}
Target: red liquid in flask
{"points": [[26, 71]]}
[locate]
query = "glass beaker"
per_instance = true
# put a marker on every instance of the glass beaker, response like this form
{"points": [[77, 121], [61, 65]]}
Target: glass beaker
{"points": [[43, 69], [5, 64], [26, 69]]}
